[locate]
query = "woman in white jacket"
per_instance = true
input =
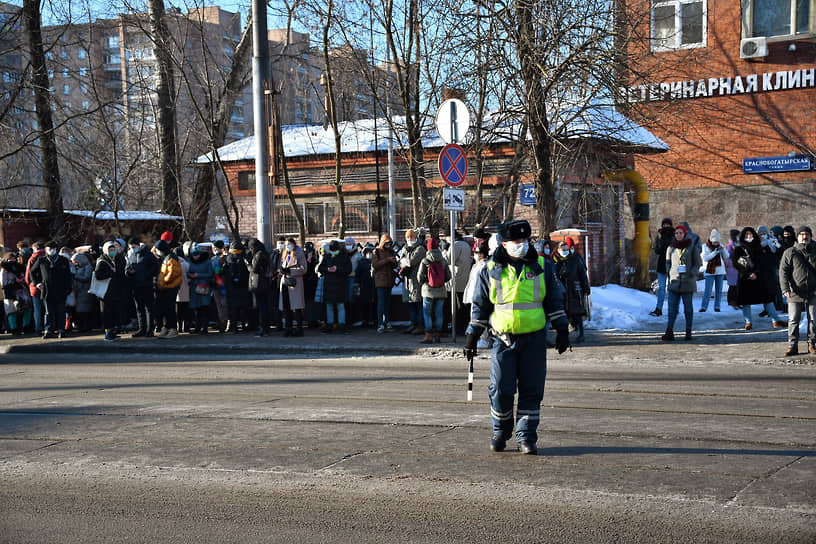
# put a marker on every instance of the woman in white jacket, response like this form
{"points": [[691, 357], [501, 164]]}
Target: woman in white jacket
{"points": [[714, 259]]}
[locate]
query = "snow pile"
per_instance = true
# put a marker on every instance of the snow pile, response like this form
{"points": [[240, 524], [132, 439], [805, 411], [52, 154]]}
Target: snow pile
{"points": [[617, 308]]}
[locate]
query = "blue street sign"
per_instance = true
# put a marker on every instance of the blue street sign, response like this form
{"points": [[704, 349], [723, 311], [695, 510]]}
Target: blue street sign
{"points": [[527, 195], [453, 165], [786, 163]]}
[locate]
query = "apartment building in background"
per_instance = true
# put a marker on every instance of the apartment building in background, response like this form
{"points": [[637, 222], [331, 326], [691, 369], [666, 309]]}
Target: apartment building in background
{"points": [[103, 77]]}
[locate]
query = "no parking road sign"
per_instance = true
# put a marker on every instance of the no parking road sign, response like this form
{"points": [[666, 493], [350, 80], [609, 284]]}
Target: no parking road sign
{"points": [[453, 165]]}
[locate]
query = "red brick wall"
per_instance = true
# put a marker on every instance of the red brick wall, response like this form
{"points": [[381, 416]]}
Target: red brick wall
{"points": [[709, 136]]}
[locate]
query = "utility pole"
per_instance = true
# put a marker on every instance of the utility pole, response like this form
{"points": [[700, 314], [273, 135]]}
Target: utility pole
{"points": [[392, 201], [260, 67]]}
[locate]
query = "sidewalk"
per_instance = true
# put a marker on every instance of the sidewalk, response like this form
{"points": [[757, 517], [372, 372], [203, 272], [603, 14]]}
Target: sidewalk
{"points": [[360, 341]]}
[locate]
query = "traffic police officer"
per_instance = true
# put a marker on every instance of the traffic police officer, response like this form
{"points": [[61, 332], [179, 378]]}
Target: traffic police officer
{"points": [[515, 295]]}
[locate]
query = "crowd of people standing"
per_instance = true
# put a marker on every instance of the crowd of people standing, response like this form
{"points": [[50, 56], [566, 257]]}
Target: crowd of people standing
{"points": [[163, 288], [774, 268]]}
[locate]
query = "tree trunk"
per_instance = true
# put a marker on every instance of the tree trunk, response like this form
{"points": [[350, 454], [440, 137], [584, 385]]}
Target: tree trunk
{"points": [[205, 177], [45, 121], [332, 115], [538, 123], [165, 110]]}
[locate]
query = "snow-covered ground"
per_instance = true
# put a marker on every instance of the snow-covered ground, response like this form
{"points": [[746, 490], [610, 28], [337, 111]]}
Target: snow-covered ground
{"points": [[617, 308]]}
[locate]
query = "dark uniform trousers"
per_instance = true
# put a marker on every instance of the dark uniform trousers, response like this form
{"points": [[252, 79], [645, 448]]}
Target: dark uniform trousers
{"points": [[522, 365]]}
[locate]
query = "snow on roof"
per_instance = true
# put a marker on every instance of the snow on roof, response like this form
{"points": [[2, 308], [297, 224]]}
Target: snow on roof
{"points": [[598, 122], [133, 215]]}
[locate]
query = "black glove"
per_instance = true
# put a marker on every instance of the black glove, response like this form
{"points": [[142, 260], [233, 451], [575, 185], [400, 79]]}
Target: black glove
{"points": [[562, 341], [470, 346]]}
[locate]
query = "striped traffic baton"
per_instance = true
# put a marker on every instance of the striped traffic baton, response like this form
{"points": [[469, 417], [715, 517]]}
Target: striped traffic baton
{"points": [[470, 378]]}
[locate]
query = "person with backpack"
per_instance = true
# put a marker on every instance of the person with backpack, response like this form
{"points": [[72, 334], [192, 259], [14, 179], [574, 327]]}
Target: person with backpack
{"points": [[167, 286], [797, 280], [433, 273], [236, 279]]}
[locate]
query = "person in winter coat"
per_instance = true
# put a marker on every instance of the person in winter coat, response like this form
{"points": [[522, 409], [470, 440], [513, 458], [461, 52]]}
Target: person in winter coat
{"points": [[335, 268], [682, 263], [310, 284], [660, 245], [797, 280], [109, 267], [571, 272], [52, 276], [200, 277], [460, 258], [731, 273], [236, 279], [715, 257], [481, 254], [167, 286], [36, 296], [771, 245], [788, 238], [142, 268], [411, 255], [85, 301], [384, 263], [218, 260], [432, 274], [352, 306], [756, 283], [364, 280], [292, 299], [183, 296], [260, 272], [275, 315], [16, 297]]}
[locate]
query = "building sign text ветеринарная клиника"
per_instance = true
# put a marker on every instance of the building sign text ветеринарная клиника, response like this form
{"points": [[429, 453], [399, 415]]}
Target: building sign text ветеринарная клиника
{"points": [[803, 78]]}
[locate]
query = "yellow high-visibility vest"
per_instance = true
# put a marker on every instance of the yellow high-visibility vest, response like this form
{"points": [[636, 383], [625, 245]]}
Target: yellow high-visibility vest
{"points": [[517, 301]]}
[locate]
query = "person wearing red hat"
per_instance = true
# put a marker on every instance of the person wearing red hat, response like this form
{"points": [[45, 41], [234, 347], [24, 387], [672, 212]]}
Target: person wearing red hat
{"points": [[682, 264], [433, 273], [167, 236]]}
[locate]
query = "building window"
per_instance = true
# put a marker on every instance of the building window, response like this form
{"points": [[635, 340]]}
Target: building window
{"points": [[81, 53], [63, 54], [776, 18], [50, 74], [85, 105], [83, 88], [66, 89], [678, 24], [66, 73], [246, 181], [83, 71]]}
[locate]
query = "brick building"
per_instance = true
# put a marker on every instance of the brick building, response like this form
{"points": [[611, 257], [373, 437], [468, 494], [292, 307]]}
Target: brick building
{"points": [[731, 88], [585, 199]]}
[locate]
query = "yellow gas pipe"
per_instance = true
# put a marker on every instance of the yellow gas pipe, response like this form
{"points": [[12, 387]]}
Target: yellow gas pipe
{"points": [[641, 244]]}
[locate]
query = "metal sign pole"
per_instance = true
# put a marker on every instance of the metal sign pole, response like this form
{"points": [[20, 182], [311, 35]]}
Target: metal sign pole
{"points": [[455, 137]]}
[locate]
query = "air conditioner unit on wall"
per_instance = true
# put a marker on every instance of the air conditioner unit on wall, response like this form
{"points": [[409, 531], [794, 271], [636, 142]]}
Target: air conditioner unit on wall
{"points": [[753, 48]]}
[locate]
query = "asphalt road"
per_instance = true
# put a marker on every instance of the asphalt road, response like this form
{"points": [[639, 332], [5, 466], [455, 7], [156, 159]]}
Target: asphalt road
{"points": [[639, 442]]}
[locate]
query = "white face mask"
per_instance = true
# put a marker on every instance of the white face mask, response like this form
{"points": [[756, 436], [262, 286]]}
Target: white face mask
{"points": [[280, 245], [290, 247], [803, 239], [51, 252], [410, 241], [516, 251], [547, 251], [349, 247], [749, 239]]}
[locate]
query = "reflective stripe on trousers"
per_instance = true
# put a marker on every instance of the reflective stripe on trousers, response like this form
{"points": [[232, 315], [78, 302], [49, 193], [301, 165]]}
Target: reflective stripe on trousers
{"points": [[521, 367]]}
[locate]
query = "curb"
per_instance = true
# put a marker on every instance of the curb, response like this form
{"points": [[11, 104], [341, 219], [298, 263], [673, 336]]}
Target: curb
{"points": [[125, 346]]}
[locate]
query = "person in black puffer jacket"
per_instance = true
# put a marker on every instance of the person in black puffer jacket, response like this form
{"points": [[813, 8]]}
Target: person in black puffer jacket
{"points": [[52, 275], [109, 267], [756, 283], [335, 269], [236, 280], [141, 268]]}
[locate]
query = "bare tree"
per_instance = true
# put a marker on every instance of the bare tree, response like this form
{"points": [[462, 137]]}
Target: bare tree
{"points": [[165, 109], [45, 122]]}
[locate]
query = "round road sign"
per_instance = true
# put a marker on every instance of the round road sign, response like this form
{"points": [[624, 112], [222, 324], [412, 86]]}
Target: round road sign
{"points": [[453, 165], [452, 121]]}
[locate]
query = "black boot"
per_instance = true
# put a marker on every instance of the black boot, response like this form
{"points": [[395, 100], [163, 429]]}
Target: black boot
{"points": [[688, 334], [668, 336]]}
